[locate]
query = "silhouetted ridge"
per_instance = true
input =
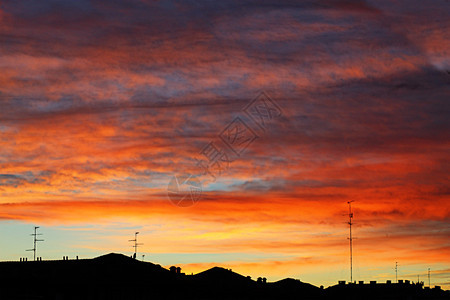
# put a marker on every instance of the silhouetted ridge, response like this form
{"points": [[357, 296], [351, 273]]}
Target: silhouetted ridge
{"points": [[289, 286], [218, 273], [115, 258], [293, 283]]}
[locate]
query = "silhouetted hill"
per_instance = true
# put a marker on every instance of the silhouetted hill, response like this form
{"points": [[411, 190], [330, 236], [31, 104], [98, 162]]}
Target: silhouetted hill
{"points": [[115, 276], [294, 284], [113, 261], [115, 258], [218, 274]]}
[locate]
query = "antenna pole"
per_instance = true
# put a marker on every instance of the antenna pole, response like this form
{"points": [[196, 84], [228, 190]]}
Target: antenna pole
{"points": [[396, 269], [136, 244], [350, 215], [429, 282], [35, 240]]}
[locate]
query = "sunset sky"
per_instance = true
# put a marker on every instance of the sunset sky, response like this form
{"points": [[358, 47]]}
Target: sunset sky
{"points": [[103, 102]]}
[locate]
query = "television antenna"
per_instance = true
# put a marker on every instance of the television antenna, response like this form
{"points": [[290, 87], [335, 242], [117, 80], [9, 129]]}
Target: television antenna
{"points": [[429, 282], [396, 270], [35, 240], [350, 222], [136, 244]]}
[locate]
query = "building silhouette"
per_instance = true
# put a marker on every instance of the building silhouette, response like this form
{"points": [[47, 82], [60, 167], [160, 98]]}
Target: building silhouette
{"points": [[116, 276]]}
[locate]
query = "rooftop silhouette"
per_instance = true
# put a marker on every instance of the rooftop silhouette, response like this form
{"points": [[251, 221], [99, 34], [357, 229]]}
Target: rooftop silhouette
{"points": [[116, 276]]}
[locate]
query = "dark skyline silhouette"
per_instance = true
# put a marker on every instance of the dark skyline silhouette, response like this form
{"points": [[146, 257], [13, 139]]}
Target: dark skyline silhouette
{"points": [[116, 276]]}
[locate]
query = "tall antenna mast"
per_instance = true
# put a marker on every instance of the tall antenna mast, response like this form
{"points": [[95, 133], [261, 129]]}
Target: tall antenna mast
{"points": [[350, 215], [396, 269], [429, 282], [35, 240], [136, 244]]}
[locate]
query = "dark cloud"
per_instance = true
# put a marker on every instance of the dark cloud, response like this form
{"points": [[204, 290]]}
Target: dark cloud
{"points": [[11, 180], [16, 180]]}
